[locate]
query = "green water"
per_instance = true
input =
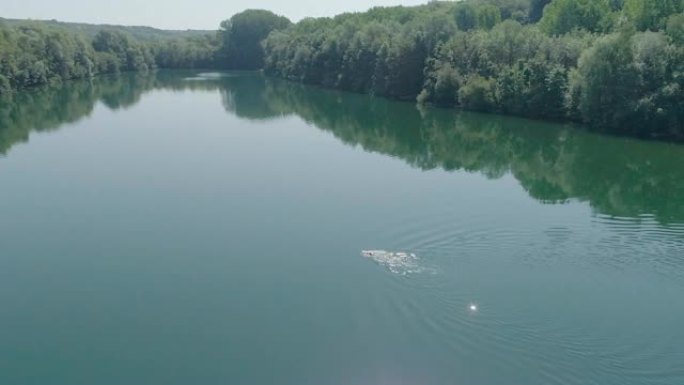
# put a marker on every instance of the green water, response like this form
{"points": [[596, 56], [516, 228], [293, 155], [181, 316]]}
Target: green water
{"points": [[187, 228]]}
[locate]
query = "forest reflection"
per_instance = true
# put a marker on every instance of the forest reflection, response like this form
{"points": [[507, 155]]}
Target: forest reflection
{"points": [[553, 163]]}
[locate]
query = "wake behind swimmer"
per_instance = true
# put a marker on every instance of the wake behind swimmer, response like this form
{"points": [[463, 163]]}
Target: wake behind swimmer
{"points": [[400, 262]]}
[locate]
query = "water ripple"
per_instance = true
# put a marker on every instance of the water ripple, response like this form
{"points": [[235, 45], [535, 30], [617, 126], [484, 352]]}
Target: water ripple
{"points": [[544, 338]]}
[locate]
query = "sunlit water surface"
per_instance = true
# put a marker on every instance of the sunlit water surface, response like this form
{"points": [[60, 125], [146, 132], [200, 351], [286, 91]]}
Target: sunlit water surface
{"points": [[186, 228]]}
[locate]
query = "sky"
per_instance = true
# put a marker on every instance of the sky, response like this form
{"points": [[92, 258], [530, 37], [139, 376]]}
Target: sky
{"points": [[178, 14]]}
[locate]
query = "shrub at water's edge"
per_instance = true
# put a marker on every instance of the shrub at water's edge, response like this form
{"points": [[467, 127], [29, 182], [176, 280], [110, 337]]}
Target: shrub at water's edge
{"points": [[617, 66]]}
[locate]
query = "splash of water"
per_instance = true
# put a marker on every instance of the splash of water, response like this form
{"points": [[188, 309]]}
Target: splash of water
{"points": [[401, 263]]}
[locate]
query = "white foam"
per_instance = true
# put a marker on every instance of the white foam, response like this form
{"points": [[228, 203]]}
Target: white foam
{"points": [[401, 263]]}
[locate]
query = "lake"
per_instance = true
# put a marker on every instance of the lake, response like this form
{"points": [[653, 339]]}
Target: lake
{"points": [[190, 228]]}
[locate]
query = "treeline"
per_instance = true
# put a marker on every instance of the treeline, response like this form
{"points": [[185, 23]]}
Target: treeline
{"points": [[141, 33], [617, 65], [36, 54], [40, 53]]}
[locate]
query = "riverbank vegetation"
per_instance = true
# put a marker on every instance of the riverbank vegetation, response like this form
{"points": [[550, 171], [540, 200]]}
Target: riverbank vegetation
{"points": [[40, 53], [615, 65], [36, 53]]}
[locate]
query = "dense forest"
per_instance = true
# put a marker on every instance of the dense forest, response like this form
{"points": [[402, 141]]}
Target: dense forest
{"points": [[615, 65], [46, 52]]}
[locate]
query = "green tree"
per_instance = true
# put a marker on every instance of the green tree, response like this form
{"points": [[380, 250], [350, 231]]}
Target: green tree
{"points": [[537, 9], [562, 16], [487, 16], [5, 85], [442, 84], [119, 51], [607, 82], [651, 14], [477, 94], [466, 16], [675, 28], [241, 38]]}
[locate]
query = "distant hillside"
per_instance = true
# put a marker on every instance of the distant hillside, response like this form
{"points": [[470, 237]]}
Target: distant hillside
{"points": [[90, 30]]}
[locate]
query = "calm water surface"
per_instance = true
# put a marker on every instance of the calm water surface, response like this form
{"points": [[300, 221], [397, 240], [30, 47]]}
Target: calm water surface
{"points": [[181, 228]]}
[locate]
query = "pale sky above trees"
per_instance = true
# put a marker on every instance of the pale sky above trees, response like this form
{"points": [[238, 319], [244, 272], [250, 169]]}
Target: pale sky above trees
{"points": [[178, 14]]}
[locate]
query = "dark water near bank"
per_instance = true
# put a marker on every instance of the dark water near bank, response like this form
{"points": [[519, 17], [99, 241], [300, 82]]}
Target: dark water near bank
{"points": [[203, 229]]}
